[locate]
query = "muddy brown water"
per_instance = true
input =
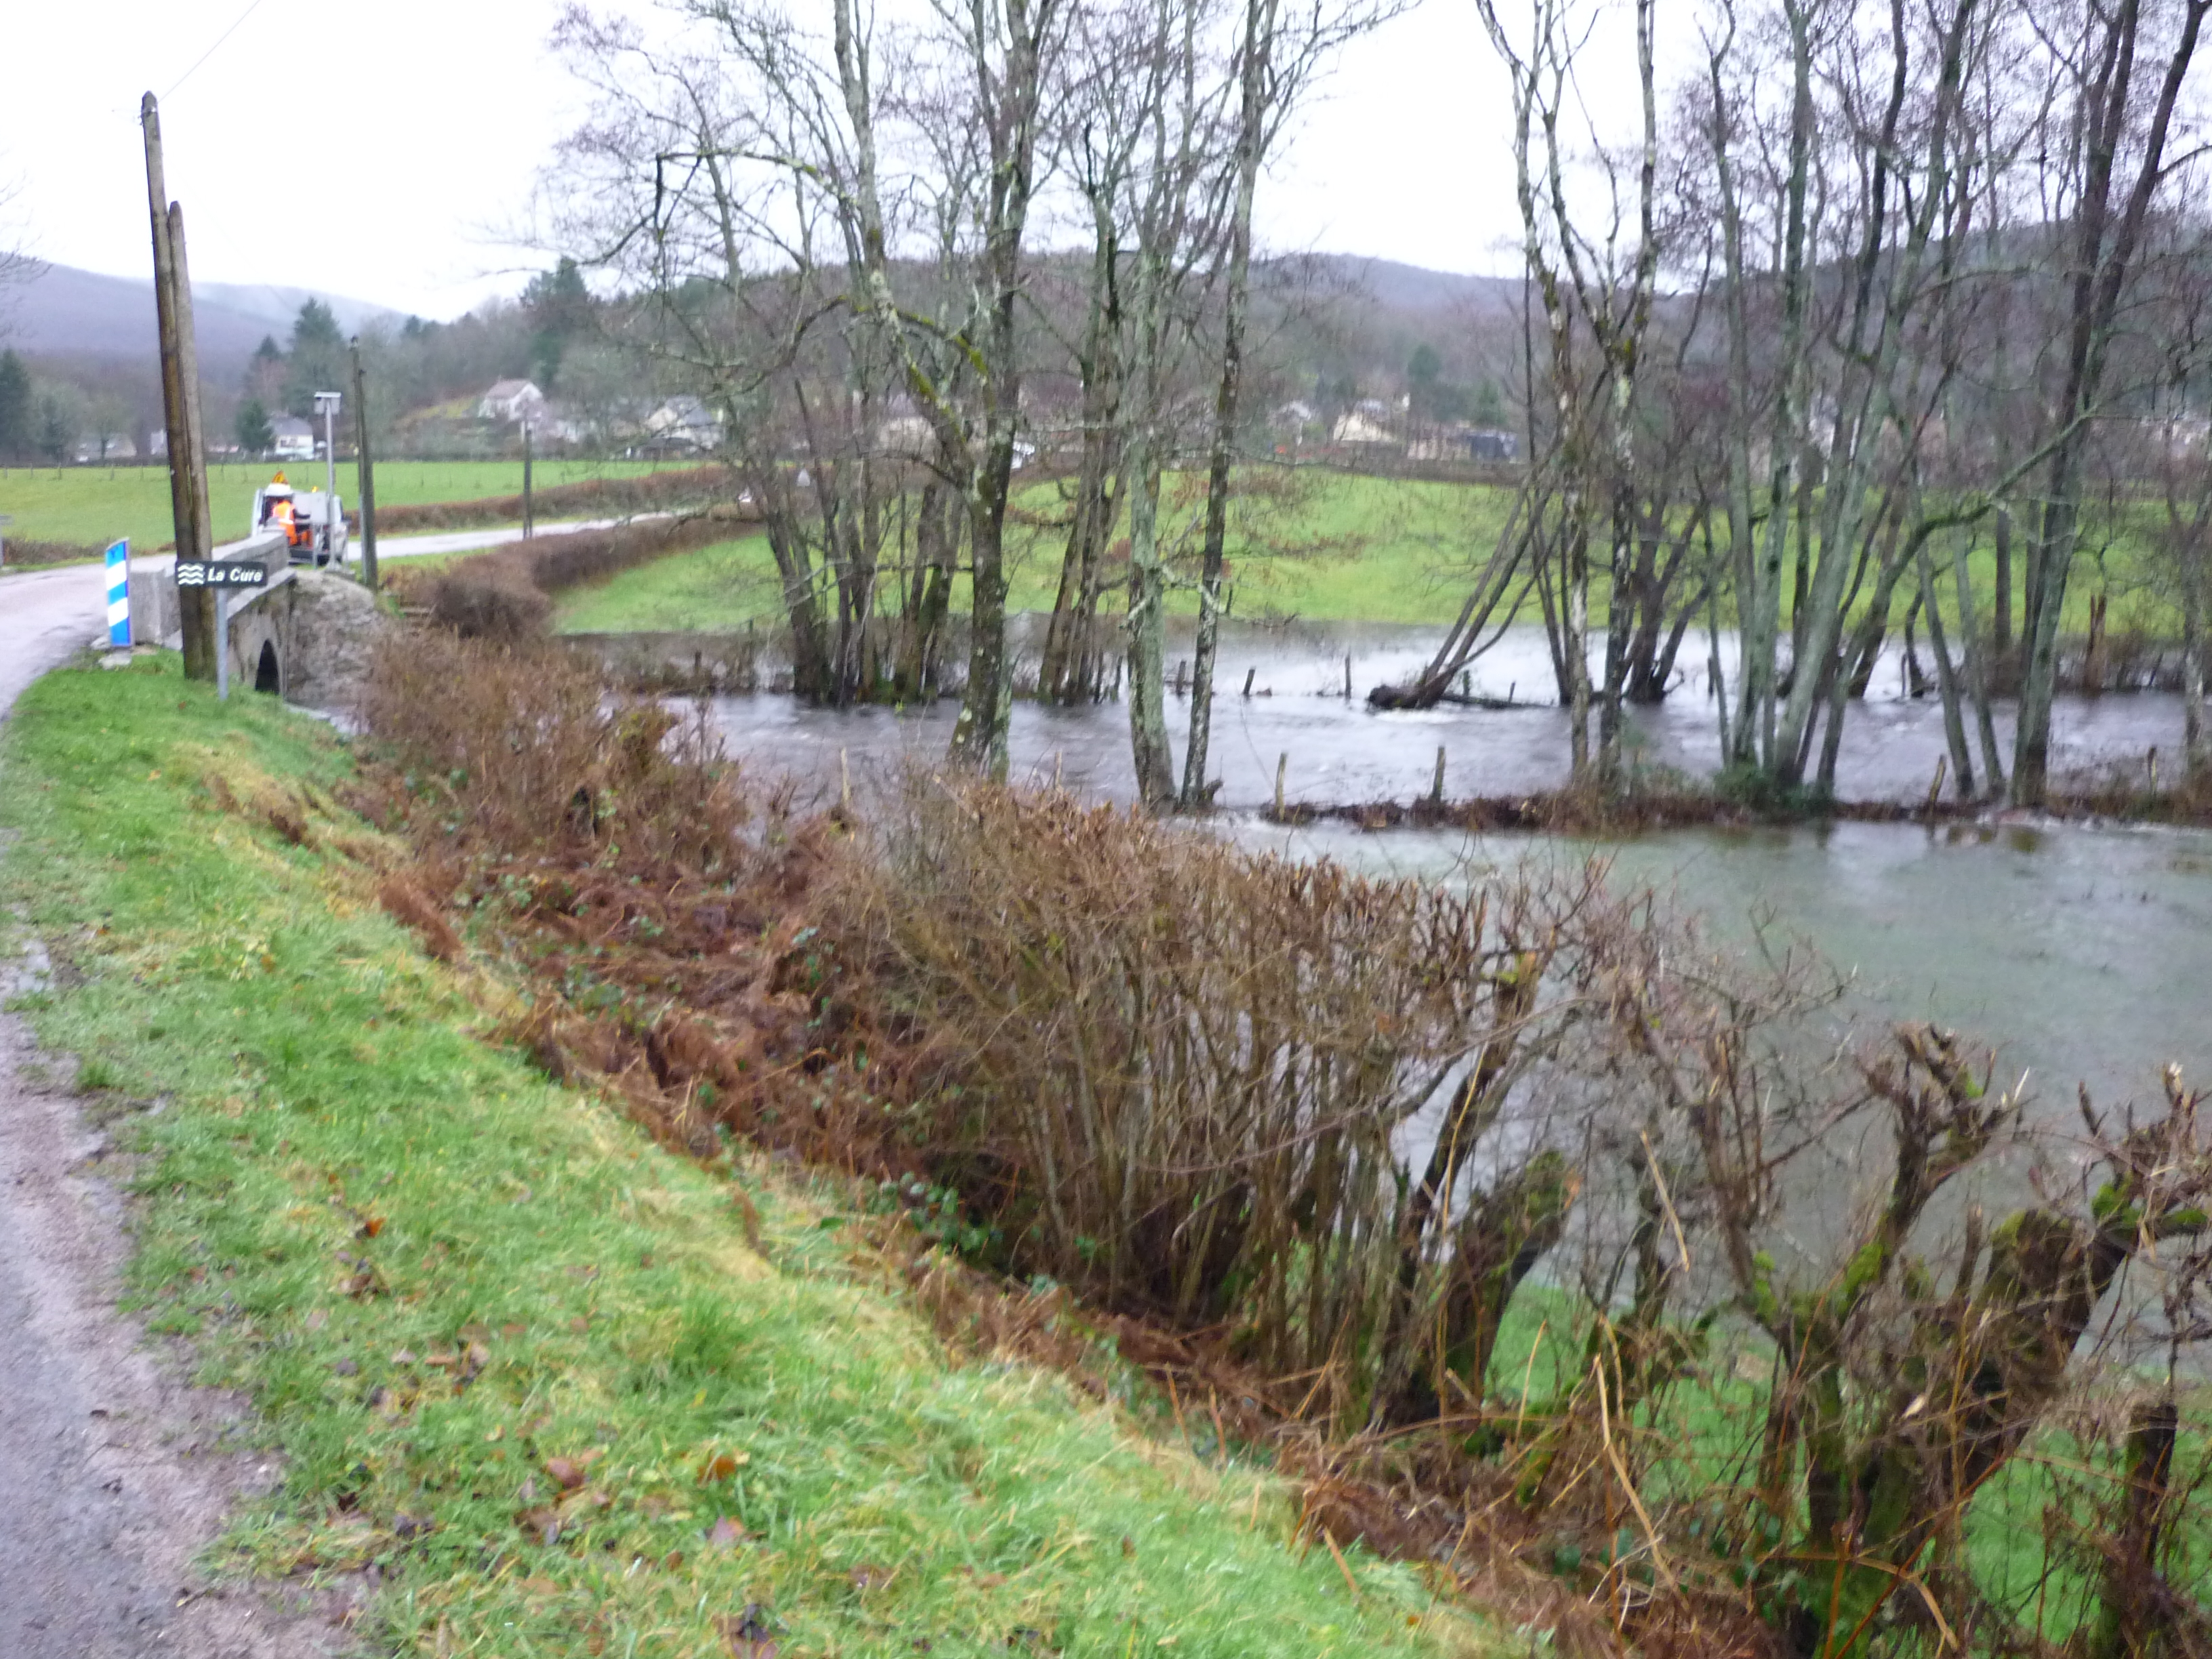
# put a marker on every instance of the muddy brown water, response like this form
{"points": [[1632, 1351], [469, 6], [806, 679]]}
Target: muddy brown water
{"points": [[2083, 954]]}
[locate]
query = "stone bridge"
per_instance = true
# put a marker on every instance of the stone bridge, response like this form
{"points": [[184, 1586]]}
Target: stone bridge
{"points": [[306, 637]]}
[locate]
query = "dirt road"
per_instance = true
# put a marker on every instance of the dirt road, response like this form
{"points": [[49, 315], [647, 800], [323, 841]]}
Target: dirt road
{"points": [[113, 1475]]}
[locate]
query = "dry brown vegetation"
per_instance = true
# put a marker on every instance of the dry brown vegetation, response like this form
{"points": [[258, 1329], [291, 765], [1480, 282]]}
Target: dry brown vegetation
{"points": [[1543, 1242], [651, 492], [507, 593], [30, 554]]}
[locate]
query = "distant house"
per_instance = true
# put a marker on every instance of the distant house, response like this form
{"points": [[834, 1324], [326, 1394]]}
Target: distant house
{"points": [[560, 424], [683, 422], [1293, 416], [105, 447], [2181, 434], [511, 403], [294, 439], [906, 434], [1357, 426]]}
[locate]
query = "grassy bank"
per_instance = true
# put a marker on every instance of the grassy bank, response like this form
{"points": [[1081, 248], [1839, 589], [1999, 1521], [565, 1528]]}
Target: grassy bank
{"points": [[94, 505], [1338, 548], [721, 587], [568, 1394]]}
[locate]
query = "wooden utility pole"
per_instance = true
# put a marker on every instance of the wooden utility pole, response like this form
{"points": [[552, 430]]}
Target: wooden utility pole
{"points": [[368, 471], [188, 376], [188, 498]]}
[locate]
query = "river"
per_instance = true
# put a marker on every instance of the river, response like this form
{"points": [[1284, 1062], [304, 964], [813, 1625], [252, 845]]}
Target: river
{"points": [[1336, 751], [2083, 954]]}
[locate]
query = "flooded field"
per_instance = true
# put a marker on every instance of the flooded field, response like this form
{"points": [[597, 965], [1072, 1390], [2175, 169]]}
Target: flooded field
{"points": [[1337, 750], [2085, 954]]}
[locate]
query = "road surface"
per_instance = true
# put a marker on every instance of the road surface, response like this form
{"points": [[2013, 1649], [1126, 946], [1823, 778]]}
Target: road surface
{"points": [[47, 614], [469, 541], [44, 614], [113, 1474]]}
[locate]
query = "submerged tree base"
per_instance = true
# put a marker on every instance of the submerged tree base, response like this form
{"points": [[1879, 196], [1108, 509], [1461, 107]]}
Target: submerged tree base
{"points": [[1726, 804]]}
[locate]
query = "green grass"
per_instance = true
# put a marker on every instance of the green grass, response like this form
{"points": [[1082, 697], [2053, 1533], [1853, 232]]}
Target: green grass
{"points": [[1705, 1435], [1347, 547], [1332, 548], [97, 505], [346, 1182], [712, 588]]}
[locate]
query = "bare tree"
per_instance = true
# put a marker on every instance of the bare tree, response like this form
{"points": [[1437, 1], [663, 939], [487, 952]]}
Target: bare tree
{"points": [[727, 263], [857, 203], [1539, 72], [1172, 230], [1283, 47], [1102, 102], [2127, 83]]}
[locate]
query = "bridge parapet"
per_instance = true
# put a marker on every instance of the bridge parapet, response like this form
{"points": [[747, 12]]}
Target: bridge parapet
{"points": [[267, 549], [306, 637]]}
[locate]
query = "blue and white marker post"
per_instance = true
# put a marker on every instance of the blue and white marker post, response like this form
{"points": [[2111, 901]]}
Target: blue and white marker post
{"points": [[119, 596]]}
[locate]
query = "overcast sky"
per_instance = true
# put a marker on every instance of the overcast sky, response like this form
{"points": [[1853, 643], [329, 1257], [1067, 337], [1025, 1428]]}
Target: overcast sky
{"points": [[441, 112]]}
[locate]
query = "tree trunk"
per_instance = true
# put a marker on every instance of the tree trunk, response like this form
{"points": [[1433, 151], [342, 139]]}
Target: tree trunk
{"points": [[1755, 716], [1148, 729], [2097, 656], [813, 677], [1068, 673], [1977, 673], [2192, 660], [2104, 255], [978, 735], [1864, 652], [933, 552], [1258, 49], [1955, 725], [2000, 617]]}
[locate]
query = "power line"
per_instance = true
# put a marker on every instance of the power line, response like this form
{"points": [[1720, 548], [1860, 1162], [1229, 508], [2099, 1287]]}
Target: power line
{"points": [[211, 51]]}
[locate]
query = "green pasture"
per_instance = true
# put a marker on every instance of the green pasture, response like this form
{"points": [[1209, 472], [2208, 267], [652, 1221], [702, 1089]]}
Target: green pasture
{"points": [[1341, 548], [1326, 547], [1322, 546], [95, 505]]}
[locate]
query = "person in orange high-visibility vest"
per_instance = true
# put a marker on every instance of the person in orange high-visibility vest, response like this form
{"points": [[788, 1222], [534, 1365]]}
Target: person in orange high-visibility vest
{"points": [[277, 509]]}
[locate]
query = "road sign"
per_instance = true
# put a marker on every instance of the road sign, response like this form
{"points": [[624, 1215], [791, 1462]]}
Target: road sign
{"points": [[220, 573]]}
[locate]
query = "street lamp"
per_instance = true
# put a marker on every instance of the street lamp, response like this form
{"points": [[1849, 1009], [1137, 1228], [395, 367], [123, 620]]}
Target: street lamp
{"points": [[326, 406]]}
